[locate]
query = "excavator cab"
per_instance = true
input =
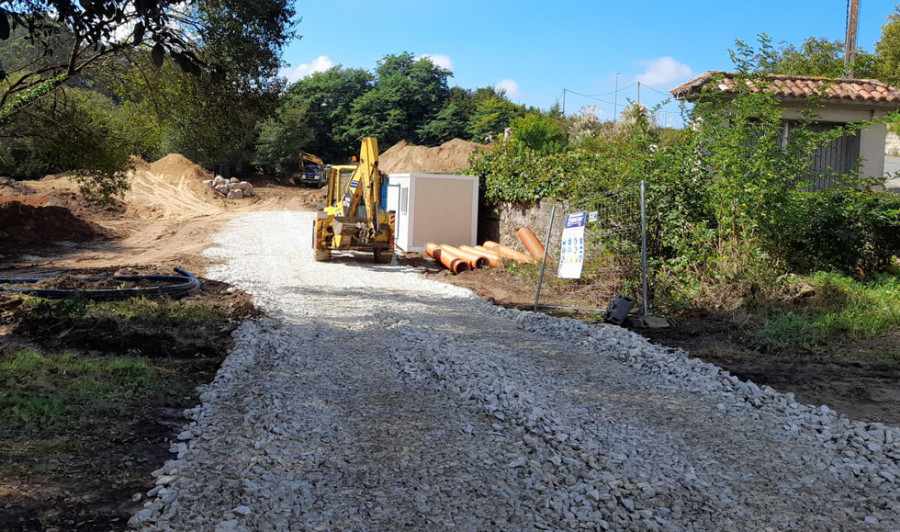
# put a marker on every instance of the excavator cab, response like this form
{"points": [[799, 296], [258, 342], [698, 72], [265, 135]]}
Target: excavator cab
{"points": [[353, 217]]}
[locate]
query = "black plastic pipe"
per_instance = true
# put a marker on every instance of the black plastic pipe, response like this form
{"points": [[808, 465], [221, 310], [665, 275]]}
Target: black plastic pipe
{"points": [[182, 285]]}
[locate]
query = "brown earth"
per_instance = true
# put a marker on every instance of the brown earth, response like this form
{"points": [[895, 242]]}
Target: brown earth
{"points": [[166, 219], [23, 222], [87, 479], [11, 187], [449, 158]]}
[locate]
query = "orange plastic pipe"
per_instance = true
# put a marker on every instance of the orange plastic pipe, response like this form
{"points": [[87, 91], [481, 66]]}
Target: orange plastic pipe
{"points": [[489, 252], [475, 261], [492, 258], [531, 243], [452, 262], [430, 249], [508, 252]]}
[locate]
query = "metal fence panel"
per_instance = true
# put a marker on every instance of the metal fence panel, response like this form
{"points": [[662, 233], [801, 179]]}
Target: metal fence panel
{"points": [[613, 259]]}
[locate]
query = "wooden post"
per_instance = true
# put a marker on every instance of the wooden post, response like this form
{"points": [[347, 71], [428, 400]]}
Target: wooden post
{"points": [[850, 43]]}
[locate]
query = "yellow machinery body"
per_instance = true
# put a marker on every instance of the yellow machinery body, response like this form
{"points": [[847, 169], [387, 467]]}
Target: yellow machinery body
{"points": [[352, 217], [304, 156]]}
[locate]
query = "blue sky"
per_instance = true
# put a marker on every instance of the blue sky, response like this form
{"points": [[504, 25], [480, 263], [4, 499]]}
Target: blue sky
{"points": [[534, 49]]}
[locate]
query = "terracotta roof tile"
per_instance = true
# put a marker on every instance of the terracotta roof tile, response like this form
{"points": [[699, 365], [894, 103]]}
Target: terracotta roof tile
{"points": [[787, 87]]}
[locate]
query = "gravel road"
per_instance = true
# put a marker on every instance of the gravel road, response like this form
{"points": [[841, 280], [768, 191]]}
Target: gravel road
{"points": [[373, 399]]}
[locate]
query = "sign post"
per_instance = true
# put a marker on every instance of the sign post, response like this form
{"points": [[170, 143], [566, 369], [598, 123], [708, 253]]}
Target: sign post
{"points": [[571, 258]]}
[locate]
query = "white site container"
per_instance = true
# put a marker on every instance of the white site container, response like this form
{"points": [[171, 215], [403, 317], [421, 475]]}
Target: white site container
{"points": [[440, 208]]}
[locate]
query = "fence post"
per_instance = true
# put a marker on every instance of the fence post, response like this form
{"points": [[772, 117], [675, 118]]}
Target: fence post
{"points": [[644, 244], [537, 297]]}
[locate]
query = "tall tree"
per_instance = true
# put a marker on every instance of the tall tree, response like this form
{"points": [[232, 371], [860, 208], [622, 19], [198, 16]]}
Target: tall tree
{"points": [[70, 37], [888, 50], [815, 57], [407, 94], [822, 57], [203, 72], [492, 114], [327, 99]]}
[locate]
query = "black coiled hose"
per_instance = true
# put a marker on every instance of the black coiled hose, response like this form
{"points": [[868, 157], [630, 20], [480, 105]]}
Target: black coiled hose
{"points": [[181, 285]]}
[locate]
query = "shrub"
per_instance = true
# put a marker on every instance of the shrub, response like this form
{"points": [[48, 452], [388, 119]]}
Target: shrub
{"points": [[538, 132], [842, 229]]}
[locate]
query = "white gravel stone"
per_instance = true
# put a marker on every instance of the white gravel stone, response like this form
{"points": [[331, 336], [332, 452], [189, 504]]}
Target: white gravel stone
{"points": [[373, 399]]}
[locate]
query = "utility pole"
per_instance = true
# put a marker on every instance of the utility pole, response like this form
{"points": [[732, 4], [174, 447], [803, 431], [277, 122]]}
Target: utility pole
{"points": [[616, 99], [639, 94], [850, 43], [564, 103]]}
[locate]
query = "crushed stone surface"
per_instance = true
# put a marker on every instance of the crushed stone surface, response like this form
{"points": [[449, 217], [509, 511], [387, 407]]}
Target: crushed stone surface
{"points": [[373, 399]]}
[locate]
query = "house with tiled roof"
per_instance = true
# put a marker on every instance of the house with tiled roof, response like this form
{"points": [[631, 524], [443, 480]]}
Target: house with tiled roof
{"points": [[844, 101]]}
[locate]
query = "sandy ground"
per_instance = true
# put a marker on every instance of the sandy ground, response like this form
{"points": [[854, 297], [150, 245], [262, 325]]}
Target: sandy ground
{"points": [[165, 220]]}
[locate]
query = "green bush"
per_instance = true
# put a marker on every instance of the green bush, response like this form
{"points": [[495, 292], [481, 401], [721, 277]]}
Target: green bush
{"points": [[841, 229], [538, 132], [74, 129]]}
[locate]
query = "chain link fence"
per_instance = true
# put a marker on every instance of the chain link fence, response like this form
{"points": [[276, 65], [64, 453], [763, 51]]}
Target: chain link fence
{"points": [[613, 261]]}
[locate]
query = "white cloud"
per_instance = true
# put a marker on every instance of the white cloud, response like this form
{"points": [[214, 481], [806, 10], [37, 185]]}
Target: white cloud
{"points": [[510, 86], [319, 64], [442, 61], [663, 71]]}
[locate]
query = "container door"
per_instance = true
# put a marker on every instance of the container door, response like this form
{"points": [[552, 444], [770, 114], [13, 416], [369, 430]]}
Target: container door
{"points": [[393, 198], [403, 227]]}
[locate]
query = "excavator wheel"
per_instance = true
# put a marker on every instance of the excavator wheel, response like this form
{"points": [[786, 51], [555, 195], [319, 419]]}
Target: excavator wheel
{"points": [[323, 255], [383, 256]]}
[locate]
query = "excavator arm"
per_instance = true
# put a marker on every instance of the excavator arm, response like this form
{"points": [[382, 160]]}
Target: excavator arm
{"points": [[311, 158], [365, 184]]}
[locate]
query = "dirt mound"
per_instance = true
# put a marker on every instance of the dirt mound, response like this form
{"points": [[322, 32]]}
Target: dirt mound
{"points": [[450, 157], [140, 164], [11, 187], [35, 200], [171, 187], [177, 165], [21, 222]]}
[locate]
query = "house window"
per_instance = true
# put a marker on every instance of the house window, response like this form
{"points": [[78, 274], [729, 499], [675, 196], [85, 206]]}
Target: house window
{"points": [[404, 200]]}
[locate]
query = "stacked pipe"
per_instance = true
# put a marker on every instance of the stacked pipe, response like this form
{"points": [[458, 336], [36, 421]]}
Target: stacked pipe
{"points": [[490, 255], [452, 262]]}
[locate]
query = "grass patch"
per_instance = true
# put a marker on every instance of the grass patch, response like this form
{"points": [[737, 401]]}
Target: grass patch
{"points": [[831, 307], [137, 326], [59, 393]]}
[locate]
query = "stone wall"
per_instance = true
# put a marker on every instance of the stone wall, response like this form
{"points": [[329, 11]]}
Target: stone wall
{"points": [[502, 222], [892, 144]]}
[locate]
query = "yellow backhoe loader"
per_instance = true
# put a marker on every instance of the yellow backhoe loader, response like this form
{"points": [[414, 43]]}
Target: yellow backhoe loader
{"points": [[352, 217]]}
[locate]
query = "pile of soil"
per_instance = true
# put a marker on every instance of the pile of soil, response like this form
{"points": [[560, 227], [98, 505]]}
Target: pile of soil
{"points": [[176, 165], [171, 187], [23, 222], [11, 187], [35, 200], [140, 165], [449, 158]]}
